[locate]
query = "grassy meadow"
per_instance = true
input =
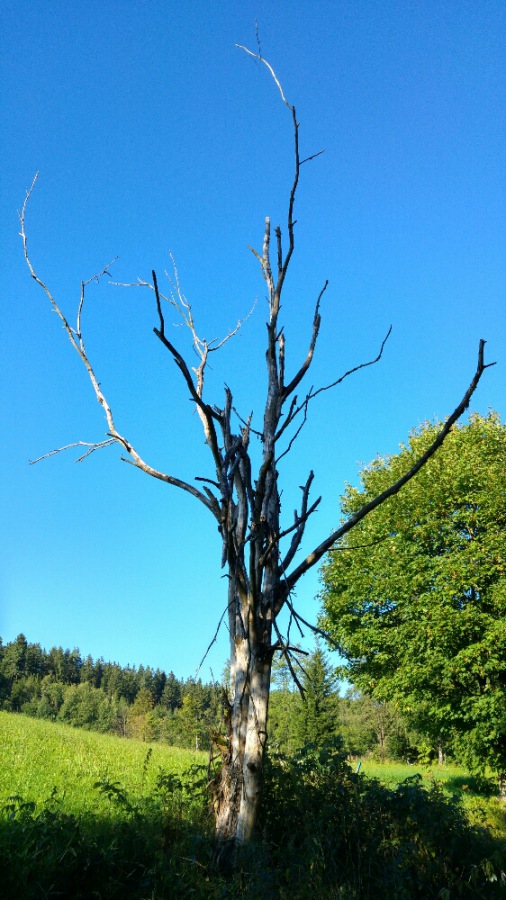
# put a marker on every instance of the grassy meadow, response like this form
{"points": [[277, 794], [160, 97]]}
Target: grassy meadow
{"points": [[88, 815], [478, 795], [38, 758]]}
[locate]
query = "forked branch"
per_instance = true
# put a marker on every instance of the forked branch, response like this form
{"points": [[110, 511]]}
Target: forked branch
{"points": [[322, 548], [75, 337], [283, 261], [295, 409]]}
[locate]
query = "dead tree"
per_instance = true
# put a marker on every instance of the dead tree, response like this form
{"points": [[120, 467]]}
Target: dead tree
{"points": [[258, 551]]}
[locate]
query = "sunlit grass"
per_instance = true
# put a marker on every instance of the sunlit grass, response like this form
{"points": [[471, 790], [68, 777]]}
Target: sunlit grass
{"points": [[479, 795], [116, 829], [37, 757], [392, 773]]}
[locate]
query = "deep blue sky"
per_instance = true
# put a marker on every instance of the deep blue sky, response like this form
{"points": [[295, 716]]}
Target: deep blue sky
{"points": [[152, 133]]}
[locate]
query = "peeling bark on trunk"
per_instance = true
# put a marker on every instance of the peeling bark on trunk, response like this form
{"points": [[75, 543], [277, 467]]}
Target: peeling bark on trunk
{"points": [[241, 779]]}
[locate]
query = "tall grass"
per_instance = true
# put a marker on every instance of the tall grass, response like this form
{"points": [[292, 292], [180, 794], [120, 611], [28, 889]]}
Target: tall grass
{"points": [[38, 758], [392, 773], [87, 815]]}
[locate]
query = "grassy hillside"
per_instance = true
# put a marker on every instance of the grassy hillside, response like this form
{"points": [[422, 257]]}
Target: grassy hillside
{"points": [[89, 815], [37, 756]]}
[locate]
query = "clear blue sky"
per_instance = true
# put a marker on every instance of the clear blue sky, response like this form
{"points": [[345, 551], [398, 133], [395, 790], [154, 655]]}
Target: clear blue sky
{"points": [[152, 133]]}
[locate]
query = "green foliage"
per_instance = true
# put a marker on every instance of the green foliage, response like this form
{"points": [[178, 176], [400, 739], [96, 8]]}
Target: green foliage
{"points": [[88, 815], [373, 726], [415, 597], [85, 706], [334, 833], [313, 718], [285, 711], [319, 712], [139, 703]]}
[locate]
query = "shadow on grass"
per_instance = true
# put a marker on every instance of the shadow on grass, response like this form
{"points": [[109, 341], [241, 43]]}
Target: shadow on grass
{"points": [[476, 785], [47, 853]]}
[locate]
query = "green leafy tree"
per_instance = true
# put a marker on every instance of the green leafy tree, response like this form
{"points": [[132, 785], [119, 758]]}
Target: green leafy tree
{"points": [[51, 698], [356, 726], [189, 720], [374, 726], [416, 598], [24, 695], [82, 707], [139, 724], [307, 712], [284, 709]]}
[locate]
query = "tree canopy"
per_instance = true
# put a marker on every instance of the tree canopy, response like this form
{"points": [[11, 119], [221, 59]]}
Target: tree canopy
{"points": [[415, 598]]}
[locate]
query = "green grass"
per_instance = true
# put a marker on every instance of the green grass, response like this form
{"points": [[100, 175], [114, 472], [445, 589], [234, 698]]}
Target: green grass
{"points": [[37, 757], [99, 816], [479, 795], [391, 773], [92, 815]]}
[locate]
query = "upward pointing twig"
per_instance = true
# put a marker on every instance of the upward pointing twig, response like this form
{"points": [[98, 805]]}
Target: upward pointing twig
{"points": [[271, 70]]}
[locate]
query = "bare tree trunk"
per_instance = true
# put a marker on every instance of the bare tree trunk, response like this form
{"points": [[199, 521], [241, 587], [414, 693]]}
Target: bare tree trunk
{"points": [[238, 797], [502, 786]]}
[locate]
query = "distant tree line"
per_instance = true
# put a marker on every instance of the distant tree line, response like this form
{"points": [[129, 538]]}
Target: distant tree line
{"points": [[133, 702], [150, 705]]}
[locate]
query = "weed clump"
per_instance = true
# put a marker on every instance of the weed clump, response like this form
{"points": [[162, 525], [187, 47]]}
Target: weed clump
{"points": [[335, 833]]}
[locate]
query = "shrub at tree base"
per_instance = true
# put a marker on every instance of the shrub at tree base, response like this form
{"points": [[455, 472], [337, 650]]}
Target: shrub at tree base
{"points": [[334, 833]]}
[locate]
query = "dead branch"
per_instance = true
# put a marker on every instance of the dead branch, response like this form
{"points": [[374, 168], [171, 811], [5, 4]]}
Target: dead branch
{"points": [[183, 306], [213, 640], [352, 371], [295, 410], [289, 389], [290, 418], [99, 445], [275, 292], [322, 548], [271, 70], [286, 652], [76, 339], [314, 628], [299, 525]]}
